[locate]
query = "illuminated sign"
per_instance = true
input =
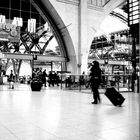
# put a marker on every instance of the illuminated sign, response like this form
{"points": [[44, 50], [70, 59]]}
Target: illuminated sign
{"points": [[133, 14]]}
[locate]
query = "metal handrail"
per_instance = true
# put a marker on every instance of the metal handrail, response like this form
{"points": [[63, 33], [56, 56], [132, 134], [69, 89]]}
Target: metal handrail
{"points": [[74, 82]]}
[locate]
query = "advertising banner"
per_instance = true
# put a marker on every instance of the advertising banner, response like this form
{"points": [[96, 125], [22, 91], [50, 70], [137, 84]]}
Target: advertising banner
{"points": [[9, 32]]}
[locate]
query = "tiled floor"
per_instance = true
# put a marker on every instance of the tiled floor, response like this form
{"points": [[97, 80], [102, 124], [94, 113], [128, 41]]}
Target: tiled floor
{"points": [[55, 114]]}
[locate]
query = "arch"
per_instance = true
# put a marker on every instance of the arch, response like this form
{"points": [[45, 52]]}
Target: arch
{"points": [[119, 16], [61, 33]]}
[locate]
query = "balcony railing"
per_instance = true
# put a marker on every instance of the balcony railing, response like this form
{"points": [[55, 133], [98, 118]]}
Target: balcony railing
{"points": [[81, 82], [100, 3]]}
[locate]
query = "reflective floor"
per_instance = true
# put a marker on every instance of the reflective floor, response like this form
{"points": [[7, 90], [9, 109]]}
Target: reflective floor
{"points": [[55, 114]]}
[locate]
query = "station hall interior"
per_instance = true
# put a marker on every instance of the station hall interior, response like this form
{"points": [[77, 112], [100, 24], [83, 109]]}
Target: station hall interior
{"points": [[64, 37]]}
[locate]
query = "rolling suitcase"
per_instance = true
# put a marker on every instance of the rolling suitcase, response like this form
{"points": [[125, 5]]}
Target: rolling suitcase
{"points": [[114, 96]]}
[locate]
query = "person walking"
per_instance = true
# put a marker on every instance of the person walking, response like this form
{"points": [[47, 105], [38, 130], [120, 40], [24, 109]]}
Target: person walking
{"points": [[95, 80]]}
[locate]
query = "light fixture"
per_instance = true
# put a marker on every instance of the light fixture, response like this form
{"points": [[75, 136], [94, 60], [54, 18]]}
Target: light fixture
{"points": [[106, 61]]}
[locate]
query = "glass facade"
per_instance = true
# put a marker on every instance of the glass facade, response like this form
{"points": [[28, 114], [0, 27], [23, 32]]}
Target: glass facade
{"points": [[115, 46], [28, 42]]}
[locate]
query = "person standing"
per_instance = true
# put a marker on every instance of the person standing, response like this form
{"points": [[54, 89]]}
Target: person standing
{"points": [[50, 79], [40, 75], [44, 75], [95, 80], [56, 78], [11, 80]]}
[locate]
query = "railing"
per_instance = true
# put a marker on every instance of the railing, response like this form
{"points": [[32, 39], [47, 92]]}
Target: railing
{"points": [[122, 83], [98, 2], [81, 82], [120, 16]]}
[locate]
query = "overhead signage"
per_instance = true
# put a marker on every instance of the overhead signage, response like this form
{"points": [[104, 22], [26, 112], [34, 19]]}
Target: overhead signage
{"points": [[133, 12]]}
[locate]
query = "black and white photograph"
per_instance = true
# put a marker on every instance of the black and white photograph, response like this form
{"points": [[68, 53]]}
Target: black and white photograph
{"points": [[69, 69]]}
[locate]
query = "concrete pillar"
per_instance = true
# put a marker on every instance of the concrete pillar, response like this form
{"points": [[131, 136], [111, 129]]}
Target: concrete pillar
{"points": [[83, 36], [84, 20]]}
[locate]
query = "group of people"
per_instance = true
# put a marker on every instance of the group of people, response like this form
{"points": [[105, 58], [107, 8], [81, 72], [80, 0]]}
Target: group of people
{"points": [[52, 78]]}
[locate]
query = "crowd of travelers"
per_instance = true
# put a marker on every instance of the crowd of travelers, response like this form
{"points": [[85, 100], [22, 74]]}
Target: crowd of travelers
{"points": [[52, 78]]}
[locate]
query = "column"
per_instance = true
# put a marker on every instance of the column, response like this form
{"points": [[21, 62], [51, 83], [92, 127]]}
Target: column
{"points": [[83, 37]]}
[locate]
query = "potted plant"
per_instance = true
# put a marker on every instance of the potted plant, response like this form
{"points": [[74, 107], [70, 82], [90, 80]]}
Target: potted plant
{"points": [[36, 83]]}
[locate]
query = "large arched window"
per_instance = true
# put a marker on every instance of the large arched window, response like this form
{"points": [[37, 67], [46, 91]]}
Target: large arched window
{"points": [[34, 34], [36, 41]]}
